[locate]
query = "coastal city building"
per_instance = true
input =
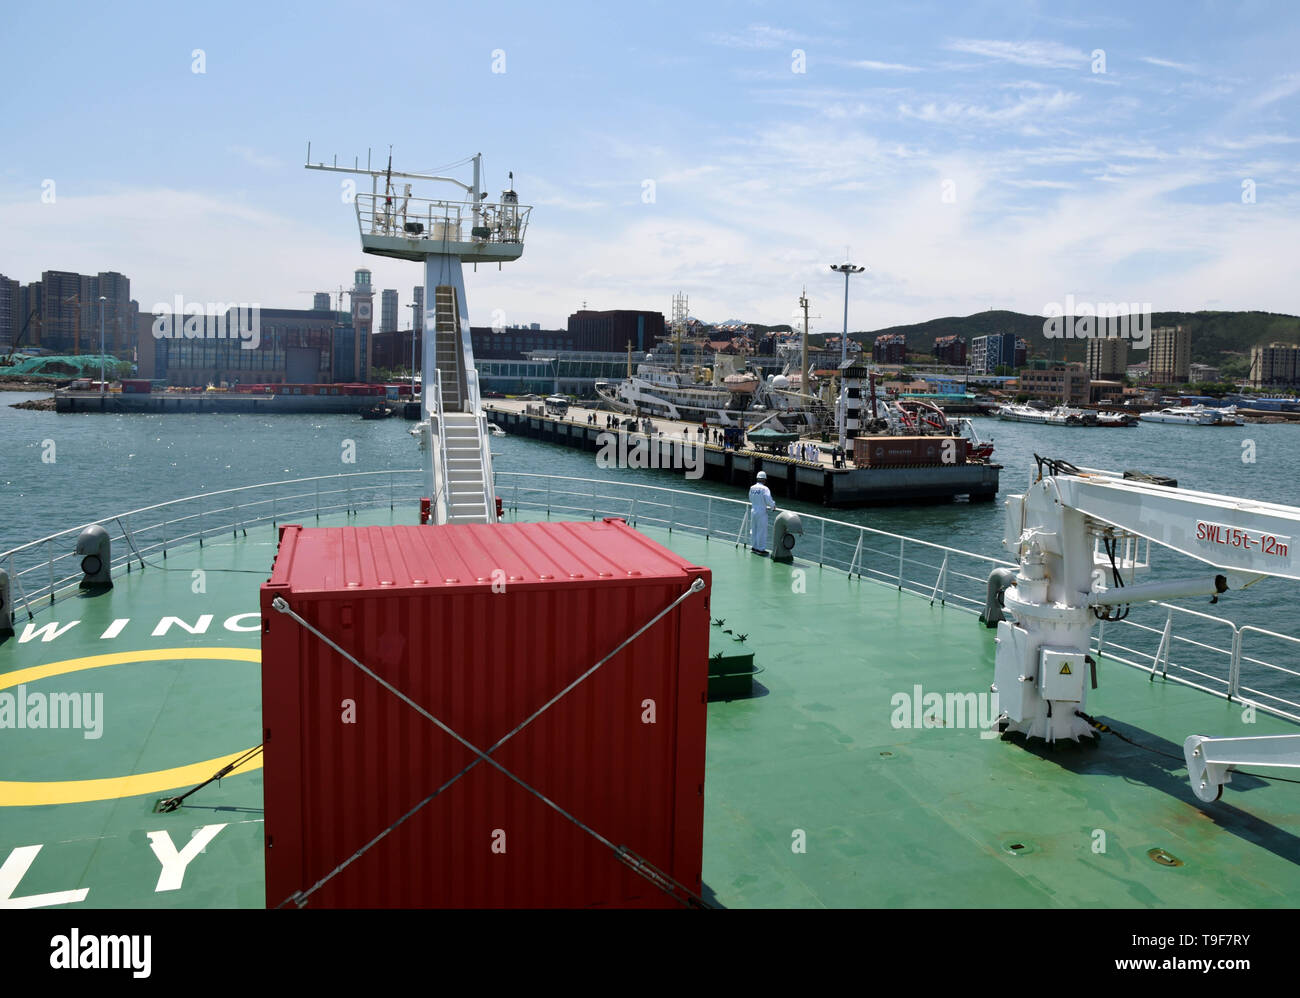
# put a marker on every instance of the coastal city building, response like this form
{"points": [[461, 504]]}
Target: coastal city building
{"points": [[352, 344], [1064, 384], [950, 350], [10, 319], [1171, 355], [1107, 357], [613, 330], [320, 301], [294, 346], [31, 297], [388, 311], [515, 343], [890, 349], [1275, 365], [62, 313], [988, 353]]}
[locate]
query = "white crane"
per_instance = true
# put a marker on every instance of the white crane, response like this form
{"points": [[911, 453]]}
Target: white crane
{"points": [[1075, 534]]}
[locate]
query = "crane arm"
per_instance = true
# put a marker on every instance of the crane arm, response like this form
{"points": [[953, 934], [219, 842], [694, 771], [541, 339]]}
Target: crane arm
{"points": [[1062, 584], [8, 359], [1233, 534]]}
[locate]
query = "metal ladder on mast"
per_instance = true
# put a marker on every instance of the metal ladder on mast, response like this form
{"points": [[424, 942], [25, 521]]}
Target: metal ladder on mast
{"points": [[447, 351], [462, 433]]}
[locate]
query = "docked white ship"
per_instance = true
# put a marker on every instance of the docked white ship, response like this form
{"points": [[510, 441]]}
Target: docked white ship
{"points": [[721, 396], [1057, 416], [1188, 415]]}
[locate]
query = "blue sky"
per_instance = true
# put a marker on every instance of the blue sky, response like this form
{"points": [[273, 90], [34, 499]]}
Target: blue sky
{"points": [[972, 155]]}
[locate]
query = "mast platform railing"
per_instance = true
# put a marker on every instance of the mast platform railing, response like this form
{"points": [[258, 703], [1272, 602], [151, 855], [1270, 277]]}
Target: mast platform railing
{"points": [[405, 217]]}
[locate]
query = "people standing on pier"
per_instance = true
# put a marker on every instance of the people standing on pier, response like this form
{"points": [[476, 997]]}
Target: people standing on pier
{"points": [[760, 499]]}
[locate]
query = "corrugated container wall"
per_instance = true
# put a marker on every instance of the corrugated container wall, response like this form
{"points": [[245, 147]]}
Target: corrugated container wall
{"points": [[481, 625], [898, 452]]}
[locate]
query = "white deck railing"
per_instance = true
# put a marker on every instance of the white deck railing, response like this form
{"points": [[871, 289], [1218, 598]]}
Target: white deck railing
{"points": [[1210, 653]]}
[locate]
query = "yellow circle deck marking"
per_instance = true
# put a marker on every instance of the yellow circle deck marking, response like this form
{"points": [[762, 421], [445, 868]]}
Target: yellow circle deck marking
{"points": [[20, 794]]}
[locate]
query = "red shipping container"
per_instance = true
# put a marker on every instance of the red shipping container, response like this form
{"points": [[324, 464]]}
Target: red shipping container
{"points": [[481, 625], [898, 452]]}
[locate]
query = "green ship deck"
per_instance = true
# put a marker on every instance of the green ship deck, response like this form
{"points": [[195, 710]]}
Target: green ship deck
{"points": [[817, 794]]}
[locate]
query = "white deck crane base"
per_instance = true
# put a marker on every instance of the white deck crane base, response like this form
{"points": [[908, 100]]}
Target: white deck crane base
{"points": [[1055, 531]]}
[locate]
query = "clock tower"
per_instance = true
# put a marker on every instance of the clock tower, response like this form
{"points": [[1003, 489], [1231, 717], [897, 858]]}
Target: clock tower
{"points": [[363, 312]]}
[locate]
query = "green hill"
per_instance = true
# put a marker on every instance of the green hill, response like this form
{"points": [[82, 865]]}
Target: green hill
{"points": [[1222, 339]]}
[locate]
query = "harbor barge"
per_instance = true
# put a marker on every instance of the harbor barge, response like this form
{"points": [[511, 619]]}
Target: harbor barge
{"points": [[337, 401], [675, 447]]}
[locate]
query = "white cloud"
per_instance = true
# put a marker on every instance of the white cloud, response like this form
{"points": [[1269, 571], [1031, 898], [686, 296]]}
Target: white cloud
{"points": [[950, 112], [759, 36], [254, 158], [1183, 67], [1285, 87], [1253, 141], [1050, 55], [882, 66]]}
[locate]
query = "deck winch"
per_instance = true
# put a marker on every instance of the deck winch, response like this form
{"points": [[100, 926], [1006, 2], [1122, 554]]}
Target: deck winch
{"points": [[788, 526], [95, 549], [6, 606]]}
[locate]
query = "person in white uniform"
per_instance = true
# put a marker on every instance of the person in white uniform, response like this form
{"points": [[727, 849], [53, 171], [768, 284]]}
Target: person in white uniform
{"points": [[760, 498]]}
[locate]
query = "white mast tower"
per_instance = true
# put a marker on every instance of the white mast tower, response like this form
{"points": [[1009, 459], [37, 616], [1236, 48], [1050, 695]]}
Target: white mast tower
{"points": [[442, 235], [681, 313]]}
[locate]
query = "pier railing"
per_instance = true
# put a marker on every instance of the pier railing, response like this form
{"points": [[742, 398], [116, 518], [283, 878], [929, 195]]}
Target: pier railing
{"points": [[1179, 644]]}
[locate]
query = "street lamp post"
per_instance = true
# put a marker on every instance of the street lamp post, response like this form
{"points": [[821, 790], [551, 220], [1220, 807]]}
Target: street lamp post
{"points": [[847, 269], [102, 386], [414, 312]]}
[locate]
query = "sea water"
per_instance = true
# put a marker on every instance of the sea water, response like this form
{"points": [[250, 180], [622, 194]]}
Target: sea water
{"points": [[61, 470]]}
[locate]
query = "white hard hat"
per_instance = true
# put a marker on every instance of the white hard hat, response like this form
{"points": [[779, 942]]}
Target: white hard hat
{"points": [[762, 475]]}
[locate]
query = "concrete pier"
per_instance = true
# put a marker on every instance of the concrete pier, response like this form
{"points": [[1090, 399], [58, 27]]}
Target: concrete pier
{"points": [[675, 444]]}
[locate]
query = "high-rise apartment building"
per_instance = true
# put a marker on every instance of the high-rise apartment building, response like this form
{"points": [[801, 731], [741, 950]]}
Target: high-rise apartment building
{"points": [[988, 353], [1275, 365], [1107, 357], [388, 311], [10, 320], [1171, 355], [950, 350]]}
